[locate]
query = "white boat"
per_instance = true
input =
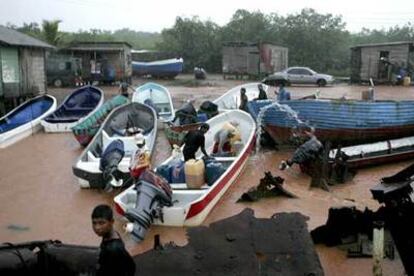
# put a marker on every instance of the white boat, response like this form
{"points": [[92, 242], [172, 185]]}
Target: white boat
{"points": [[24, 120], [158, 97], [76, 107], [231, 99], [136, 115], [191, 206]]}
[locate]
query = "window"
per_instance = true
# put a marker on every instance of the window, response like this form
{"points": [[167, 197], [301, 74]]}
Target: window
{"points": [[68, 65]]}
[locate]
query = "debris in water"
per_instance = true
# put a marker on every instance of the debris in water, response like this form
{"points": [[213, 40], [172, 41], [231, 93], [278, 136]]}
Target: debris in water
{"points": [[16, 227], [269, 186], [239, 245]]}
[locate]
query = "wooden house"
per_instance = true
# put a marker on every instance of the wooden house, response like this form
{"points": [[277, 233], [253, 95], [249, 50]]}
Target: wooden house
{"points": [[380, 61], [22, 67], [104, 62], [253, 59]]}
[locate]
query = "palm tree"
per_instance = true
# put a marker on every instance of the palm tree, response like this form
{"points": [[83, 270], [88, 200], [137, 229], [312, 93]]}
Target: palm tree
{"points": [[50, 31]]}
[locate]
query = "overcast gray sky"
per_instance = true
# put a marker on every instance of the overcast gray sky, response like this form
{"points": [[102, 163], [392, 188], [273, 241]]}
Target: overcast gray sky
{"points": [[154, 15]]}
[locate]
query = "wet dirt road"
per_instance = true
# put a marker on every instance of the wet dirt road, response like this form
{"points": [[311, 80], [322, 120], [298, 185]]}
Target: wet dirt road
{"points": [[41, 199]]}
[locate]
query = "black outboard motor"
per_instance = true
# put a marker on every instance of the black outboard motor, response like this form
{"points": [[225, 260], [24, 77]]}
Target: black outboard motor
{"points": [[111, 157], [153, 193]]}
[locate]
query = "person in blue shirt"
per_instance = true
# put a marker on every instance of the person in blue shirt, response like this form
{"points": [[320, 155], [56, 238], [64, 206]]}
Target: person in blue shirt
{"points": [[282, 94]]}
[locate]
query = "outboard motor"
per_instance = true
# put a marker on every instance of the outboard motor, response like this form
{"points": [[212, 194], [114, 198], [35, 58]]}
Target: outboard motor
{"points": [[111, 157], [153, 193]]}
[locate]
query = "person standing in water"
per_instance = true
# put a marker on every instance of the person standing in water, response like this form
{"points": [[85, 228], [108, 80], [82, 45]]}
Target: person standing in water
{"points": [[113, 257]]}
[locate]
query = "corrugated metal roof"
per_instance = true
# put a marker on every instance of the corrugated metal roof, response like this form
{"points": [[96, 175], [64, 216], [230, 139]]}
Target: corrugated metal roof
{"points": [[15, 38], [383, 44]]}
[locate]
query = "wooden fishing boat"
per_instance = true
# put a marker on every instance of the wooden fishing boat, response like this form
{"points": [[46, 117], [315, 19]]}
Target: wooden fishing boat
{"points": [[191, 206], [231, 99], [136, 115], [168, 68], [342, 122], [76, 107], [377, 153], [25, 119], [85, 130], [158, 97]]}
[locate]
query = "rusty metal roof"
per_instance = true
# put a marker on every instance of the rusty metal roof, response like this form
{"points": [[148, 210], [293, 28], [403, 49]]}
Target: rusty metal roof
{"points": [[14, 38]]}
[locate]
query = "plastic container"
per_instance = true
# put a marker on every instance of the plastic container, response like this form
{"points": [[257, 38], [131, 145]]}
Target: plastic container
{"points": [[202, 117], [213, 171], [194, 173], [177, 171], [407, 81], [165, 171]]}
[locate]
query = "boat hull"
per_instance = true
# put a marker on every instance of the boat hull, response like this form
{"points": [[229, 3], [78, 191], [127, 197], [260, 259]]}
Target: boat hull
{"points": [[161, 68], [231, 99], [24, 130], [158, 98], [71, 112], [192, 206], [340, 122], [86, 130], [86, 168]]}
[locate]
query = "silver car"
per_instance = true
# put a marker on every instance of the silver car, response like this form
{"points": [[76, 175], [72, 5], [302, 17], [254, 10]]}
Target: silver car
{"points": [[298, 75]]}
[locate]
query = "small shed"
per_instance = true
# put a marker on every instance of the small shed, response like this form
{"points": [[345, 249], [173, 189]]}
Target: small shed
{"points": [[379, 61], [105, 62], [22, 67], [253, 59]]}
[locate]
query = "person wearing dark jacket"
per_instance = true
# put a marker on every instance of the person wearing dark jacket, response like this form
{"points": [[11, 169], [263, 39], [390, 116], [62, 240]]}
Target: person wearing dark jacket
{"points": [[113, 257], [243, 100], [195, 140], [262, 93]]}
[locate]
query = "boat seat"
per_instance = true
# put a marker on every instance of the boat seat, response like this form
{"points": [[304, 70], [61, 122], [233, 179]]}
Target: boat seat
{"points": [[183, 186]]}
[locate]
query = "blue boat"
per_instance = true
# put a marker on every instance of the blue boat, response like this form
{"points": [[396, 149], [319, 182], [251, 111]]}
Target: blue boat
{"points": [[342, 122], [77, 106], [25, 119], [158, 97], [168, 68]]}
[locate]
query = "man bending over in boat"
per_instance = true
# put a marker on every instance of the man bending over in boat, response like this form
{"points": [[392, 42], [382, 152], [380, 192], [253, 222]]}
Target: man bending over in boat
{"points": [[195, 140], [225, 138], [113, 257]]}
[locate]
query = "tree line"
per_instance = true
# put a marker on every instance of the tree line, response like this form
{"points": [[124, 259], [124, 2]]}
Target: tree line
{"points": [[319, 41]]}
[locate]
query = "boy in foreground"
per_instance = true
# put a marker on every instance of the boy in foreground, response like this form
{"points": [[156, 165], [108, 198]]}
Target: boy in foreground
{"points": [[113, 258]]}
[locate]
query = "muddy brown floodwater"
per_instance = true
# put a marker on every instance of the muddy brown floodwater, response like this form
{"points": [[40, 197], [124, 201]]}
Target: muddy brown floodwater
{"points": [[40, 198]]}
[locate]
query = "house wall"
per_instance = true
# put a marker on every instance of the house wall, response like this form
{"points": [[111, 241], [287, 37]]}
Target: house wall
{"points": [[33, 71], [370, 59], [118, 60], [273, 58], [253, 60], [235, 59]]}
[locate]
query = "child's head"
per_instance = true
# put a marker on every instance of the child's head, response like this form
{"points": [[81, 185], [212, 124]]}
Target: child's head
{"points": [[102, 220]]}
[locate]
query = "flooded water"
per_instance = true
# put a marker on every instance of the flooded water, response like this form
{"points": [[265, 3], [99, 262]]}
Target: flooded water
{"points": [[41, 199]]}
